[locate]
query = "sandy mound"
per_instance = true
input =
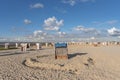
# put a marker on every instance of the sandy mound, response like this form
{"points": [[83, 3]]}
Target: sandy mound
{"points": [[73, 65]]}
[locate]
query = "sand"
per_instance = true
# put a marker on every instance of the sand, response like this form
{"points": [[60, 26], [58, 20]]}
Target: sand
{"points": [[84, 63]]}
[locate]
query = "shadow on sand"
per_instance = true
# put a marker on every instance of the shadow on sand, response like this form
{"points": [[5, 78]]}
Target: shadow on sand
{"points": [[75, 54], [14, 53]]}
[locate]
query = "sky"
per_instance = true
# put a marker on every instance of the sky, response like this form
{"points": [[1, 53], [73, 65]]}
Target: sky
{"points": [[59, 20]]}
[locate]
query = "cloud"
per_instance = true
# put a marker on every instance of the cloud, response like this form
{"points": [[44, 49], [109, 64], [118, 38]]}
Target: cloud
{"points": [[87, 0], [39, 33], [26, 21], [92, 38], [114, 31], [3, 39], [20, 30], [86, 30], [61, 34], [52, 24], [37, 5], [119, 37], [109, 22], [112, 22], [60, 10], [73, 2]]}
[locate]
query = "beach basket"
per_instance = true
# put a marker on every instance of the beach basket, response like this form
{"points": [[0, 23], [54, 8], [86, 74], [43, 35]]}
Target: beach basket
{"points": [[61, 51]]}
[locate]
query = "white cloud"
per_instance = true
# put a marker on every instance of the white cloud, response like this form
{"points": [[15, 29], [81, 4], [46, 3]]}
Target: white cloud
{"points": [[39, 33], [3, 39], [87, 0], [87, 30], [16, 30], [60, 10], [73, 2], [109, 22], [37, 5], [84, 0], [119, 37], [52, 24], [114, 31], [61, 33], [112, 22], [26, 21], [92, 38]]}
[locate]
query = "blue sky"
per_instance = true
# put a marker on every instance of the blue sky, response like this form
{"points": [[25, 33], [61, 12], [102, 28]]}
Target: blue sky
{"points": [[65, 20]]}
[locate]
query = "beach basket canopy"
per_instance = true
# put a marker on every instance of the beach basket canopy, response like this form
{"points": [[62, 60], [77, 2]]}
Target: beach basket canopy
{"points": [[60, 45]]}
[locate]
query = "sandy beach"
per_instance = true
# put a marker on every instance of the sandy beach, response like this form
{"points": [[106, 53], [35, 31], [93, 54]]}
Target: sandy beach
{"points": [[84, 63]]}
